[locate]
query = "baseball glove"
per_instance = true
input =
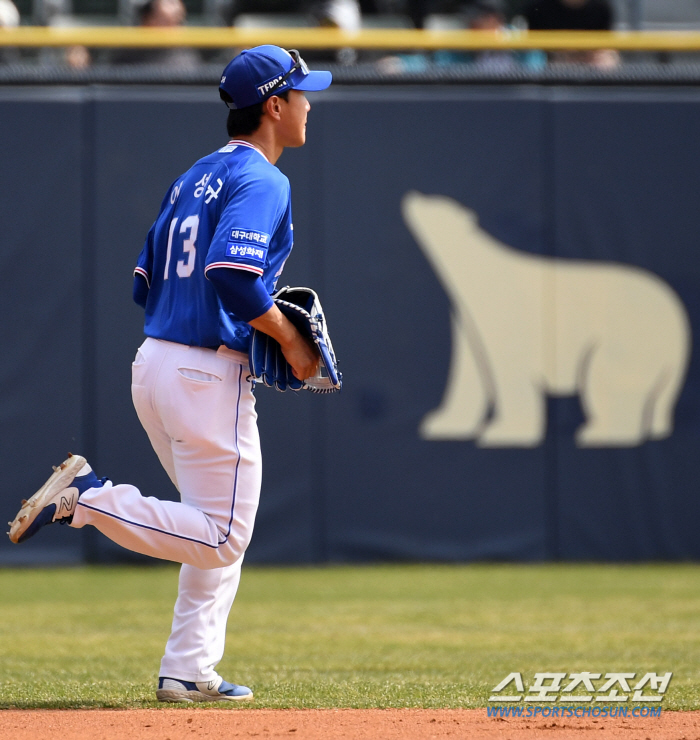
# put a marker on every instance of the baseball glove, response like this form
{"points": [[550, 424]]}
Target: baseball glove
{"points": [[267, 363]]}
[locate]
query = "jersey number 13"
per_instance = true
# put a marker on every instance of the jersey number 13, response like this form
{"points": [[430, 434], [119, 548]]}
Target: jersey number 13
{"points": [[188, 228]]}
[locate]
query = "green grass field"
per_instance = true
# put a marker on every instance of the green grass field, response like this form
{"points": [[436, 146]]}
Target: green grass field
{"points": [[376, 636]]}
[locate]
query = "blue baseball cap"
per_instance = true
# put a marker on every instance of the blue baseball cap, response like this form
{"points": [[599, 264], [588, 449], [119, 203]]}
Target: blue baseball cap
{"points": [[256, 74]]}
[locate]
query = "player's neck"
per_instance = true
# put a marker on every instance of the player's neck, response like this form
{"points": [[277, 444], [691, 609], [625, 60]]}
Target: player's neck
{"points": [[265, 143]]}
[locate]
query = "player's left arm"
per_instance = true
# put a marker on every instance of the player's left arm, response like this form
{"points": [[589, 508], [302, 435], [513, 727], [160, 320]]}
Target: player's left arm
{"points": [[140, 290], [142, 271]]}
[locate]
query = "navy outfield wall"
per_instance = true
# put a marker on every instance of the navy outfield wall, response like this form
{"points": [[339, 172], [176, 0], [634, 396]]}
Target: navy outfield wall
{"points": [[511, 278]]}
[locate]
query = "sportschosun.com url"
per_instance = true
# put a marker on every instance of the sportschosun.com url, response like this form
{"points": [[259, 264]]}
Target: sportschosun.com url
{"points": [[564, 712]]}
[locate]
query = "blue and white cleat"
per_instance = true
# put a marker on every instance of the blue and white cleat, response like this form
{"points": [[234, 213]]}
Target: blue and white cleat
{"points": [[174, 689], [56, 500]]}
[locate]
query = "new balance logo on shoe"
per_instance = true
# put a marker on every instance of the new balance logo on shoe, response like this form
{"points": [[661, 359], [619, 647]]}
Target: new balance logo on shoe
{"points": [[56, 500], [66, 506]]}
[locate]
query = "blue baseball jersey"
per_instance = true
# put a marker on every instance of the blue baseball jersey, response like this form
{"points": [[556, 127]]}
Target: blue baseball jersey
{"points": [[230, 210]]}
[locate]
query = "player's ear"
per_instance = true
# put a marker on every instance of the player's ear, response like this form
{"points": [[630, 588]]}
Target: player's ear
{"points": [[273, 107]]}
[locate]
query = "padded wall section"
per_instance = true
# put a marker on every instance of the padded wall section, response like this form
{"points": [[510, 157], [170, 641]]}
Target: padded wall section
{"points": [[391, 492], [41, 240], [627, 174], [511, 280]]}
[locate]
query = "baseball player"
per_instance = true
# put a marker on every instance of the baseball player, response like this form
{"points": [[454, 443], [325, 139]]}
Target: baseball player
{"points": [[205, 276]]}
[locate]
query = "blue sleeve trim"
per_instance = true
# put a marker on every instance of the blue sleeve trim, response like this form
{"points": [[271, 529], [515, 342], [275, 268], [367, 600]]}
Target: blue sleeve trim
{"points": [[241, 292]]}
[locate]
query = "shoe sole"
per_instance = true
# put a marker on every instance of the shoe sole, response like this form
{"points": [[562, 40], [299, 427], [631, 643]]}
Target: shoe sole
{"points": [[173, 695], [62, 478]]}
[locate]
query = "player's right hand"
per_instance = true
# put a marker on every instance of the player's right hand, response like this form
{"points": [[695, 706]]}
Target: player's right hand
{"points": [[303, 357], [300, 353]]}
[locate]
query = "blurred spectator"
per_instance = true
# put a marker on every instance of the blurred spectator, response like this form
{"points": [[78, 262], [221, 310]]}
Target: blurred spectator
{"points": [[57, 13], [480, 15], [9, 18], [78, 57], [574, 15], [160, 14], [9, 15], [493, 12], [487, 15], [490, 15], [343, 14]]}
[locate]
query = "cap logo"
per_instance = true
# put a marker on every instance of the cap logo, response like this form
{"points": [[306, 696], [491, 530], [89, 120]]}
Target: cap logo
{"points": [[223, 79], [266, 86]]}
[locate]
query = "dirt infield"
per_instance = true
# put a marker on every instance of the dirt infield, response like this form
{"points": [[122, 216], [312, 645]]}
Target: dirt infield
{"points": [[330, 724]]}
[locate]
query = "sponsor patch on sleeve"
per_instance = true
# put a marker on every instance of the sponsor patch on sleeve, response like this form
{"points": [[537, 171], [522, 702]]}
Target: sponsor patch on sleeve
{"points": [[249, 251], [249, 244], [242, 236]]}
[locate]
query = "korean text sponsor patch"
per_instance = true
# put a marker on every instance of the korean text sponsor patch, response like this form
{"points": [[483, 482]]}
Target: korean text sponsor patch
{"points": [[248, 243], [242, 236], [250, 251]]}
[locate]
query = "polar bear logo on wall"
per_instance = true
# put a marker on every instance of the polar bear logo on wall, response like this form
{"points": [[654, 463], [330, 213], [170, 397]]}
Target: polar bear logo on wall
{"points": [[526, 326]]}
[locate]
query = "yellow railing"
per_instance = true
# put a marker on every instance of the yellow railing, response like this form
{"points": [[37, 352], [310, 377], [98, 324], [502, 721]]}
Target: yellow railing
{"points": [[324, 38]]}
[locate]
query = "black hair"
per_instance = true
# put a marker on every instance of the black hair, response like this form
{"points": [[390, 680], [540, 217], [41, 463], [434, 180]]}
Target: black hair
{"points": [[144, 10], [245, 121]]}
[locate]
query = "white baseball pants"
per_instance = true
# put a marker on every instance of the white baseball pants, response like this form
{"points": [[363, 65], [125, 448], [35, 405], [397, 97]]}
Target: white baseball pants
{"points": [[198, 410]]}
